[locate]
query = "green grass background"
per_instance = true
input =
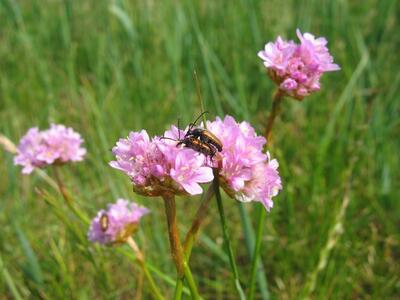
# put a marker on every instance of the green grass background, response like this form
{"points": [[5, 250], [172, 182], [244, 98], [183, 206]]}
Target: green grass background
{"points": [[108, 67]]}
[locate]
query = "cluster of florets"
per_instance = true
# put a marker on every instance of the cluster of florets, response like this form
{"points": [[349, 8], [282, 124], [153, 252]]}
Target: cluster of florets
{"points": [[56, 145], [158, 165], [117, 223], [246, 172], [297, 68]]}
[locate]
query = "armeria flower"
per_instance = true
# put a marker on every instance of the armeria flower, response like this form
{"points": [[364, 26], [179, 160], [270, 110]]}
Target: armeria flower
{"points": [[56, 145], [189, 170], [264, 184], [297, 68], [157, 166], [117, 223], [246, 173]]}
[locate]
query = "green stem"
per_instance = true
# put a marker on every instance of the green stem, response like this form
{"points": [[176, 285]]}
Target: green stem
{"points": [[176, 248], [257, 250], [190, 280], [173, 234], [67, 198], [140, 258], [227, 242], [178, 289], [276, 102], [192, 234], [250, 241], [153, 270]]}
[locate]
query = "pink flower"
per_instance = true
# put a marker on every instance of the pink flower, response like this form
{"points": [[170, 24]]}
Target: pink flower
{"points": [[139, 158], [264, 185], [117, 223], [276, 55], [189, 170], [317, 47], [56, 145], [246, 173], [157, 166], [297, 68]]}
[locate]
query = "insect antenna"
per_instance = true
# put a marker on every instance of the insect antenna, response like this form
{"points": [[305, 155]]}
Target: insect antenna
{"points": [[179, 130], [191, 125], [167, 138]]}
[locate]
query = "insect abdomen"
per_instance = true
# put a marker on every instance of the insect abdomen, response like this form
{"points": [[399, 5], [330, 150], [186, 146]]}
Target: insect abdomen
{"points": [[209, 137], [205, 136], [199, 146]]}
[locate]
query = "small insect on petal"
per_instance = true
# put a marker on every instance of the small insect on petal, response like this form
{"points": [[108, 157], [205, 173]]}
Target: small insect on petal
{"points": [[203, 135], [199, 140], [115, 224], [104, 221]]}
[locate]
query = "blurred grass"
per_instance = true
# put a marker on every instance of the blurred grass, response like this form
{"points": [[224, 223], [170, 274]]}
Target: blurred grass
{"points": [[108, 67]]}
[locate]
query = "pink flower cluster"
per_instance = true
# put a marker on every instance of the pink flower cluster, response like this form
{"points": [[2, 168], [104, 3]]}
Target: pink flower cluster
{"points": [[56, 145], [297, 68], [121, 219], [157, 166], [247, 174]]}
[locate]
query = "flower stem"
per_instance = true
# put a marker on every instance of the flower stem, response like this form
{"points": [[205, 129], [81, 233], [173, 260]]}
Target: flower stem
{"points": [[140, 258], [61, 186], [182, 268], [191, 235], [250, 238], [227, 242], [276, 102], [67, 198], [175, 243], [190, 280], [178, 289], [257, 249]]}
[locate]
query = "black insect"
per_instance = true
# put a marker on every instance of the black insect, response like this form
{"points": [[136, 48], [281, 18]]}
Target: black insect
{"points": [[104, 222], [203, 135], [198, 145], [195, 144], [199, 139]]}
